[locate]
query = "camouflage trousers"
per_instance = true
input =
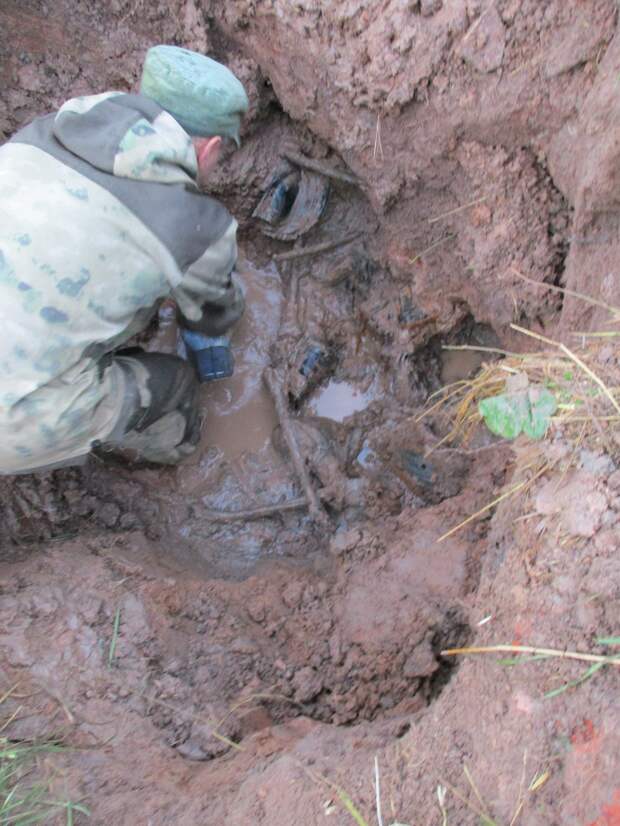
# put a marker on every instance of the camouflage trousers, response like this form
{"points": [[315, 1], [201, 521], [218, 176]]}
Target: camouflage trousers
{"points": [[160, 419]]}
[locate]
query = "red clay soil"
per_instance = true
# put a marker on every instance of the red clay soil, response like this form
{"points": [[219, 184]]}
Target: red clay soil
{"points": [[259, 667]]}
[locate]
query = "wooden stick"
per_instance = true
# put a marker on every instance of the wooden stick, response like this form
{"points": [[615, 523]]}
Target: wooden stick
{"points": [[324, 247], [259, 512], [481, 349], [609, 659], [289, 320], [321, 168], [314, 505]]}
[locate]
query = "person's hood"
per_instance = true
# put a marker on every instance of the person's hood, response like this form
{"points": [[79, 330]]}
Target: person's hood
{"points": [[129, 136]]}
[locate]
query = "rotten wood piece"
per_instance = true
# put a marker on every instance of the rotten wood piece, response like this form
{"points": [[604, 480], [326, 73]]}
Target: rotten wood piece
{"points": [[326, 246], [321, 168], [314, 504], [259, 512]]}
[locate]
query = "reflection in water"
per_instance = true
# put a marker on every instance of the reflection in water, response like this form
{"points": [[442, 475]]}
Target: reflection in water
{"points": [[338, 399]]}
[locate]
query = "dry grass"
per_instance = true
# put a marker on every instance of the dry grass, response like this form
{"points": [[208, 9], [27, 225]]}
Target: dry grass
{"points": [[478, 805], [586, 387], [584, 380], [534, 654]]}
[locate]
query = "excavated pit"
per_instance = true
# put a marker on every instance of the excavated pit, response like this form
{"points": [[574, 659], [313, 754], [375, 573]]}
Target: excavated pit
{"points": [[340, 409], [311, 648]]}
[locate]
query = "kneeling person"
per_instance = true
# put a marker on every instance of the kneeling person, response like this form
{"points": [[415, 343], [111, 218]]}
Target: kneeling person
{"points": [[101, 217]]}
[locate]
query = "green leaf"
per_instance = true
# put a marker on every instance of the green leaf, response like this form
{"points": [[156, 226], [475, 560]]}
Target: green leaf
{"points": [[542, 406], [528, 411], [503, 415], [608, 640]]}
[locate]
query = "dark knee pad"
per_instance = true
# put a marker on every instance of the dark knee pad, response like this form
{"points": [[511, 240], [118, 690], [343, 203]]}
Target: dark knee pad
{"points": [[171, 384]]}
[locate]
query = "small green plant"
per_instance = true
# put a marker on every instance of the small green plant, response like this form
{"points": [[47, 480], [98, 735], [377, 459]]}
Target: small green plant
{"points": [[526, 411], [557, 391]]}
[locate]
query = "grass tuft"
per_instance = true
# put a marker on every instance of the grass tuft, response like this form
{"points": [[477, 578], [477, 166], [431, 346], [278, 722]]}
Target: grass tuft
{"points": [[589, 394], [25, 798]]}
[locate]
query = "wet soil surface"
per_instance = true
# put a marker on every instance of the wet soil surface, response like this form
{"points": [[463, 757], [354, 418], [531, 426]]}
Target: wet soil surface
{"points": [[257, 656]]}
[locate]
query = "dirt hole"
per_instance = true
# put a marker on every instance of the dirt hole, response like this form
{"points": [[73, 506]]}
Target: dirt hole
{"points": [[357, 357], [342, 362]]}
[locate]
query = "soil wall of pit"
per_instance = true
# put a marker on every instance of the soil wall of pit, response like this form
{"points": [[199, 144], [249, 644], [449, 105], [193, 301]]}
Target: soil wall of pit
{"points": [[507, 106]]}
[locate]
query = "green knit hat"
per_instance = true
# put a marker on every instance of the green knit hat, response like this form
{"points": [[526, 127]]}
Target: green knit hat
{"points": [[201, 94]]}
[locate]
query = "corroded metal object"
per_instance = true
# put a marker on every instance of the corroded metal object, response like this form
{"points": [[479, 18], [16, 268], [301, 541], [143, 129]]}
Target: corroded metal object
{"points": [[310, 363], [292, 205], [277, 201]]}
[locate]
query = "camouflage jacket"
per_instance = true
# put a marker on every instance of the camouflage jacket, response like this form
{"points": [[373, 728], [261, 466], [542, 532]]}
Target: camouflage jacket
{"points": [[100, 218]]}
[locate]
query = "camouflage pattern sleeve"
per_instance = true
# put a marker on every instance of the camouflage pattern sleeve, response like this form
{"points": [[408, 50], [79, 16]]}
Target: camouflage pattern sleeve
{"points": [[100, 218], [208, 297]]}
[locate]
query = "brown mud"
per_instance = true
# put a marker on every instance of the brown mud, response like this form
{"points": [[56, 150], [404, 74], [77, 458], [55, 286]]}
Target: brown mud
{"points": [[256, 657]]}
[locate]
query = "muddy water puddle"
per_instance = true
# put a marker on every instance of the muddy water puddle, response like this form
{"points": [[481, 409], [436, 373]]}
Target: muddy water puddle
{"points": [[458, 365], [339, 399], [238, 412], [236, 466]]}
